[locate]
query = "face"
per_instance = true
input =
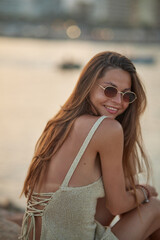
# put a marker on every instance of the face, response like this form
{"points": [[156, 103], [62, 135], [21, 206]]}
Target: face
{"points": [[111, 107]]}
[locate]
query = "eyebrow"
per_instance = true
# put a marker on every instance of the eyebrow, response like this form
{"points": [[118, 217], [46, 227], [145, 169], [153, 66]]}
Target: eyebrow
{"points": [[110, 83]]}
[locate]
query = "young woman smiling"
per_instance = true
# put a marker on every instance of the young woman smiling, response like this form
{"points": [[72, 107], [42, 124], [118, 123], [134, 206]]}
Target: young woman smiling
{"points": [[83, 170]]}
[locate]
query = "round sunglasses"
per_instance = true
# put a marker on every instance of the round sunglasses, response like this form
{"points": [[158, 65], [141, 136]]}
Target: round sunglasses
{"points": [[128, 97]]}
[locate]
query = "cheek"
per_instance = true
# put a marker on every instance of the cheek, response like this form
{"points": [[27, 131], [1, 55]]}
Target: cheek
{"points": [[95, 97], [125, 106]]}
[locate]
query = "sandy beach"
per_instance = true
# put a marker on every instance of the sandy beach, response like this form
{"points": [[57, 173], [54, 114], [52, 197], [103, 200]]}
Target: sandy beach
{"points": [[32, 89]]}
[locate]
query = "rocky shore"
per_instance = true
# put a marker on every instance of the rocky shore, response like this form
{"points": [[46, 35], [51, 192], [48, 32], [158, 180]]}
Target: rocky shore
{"points": [[10, 220]]}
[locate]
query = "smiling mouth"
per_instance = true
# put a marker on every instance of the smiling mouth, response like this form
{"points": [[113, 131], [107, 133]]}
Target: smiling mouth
{"points": [[112, 110]]}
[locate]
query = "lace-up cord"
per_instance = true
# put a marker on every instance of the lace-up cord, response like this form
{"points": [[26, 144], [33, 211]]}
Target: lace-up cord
{"points": [[40, 199]]}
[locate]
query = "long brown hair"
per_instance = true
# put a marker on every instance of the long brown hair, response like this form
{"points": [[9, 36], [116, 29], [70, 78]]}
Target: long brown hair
{"points": [[58, 128]]}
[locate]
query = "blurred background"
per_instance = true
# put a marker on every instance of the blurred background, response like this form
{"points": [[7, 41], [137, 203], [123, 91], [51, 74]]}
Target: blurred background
{"points": [[43, 47]]}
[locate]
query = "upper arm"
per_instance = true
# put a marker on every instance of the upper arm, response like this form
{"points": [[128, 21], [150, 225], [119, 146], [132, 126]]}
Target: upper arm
{"points": [[110, 147]]}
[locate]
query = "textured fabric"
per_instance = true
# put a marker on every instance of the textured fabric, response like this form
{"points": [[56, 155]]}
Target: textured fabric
{"points": [[68, 213]]}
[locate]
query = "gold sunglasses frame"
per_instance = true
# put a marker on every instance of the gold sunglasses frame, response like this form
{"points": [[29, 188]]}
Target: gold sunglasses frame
{"points": [[122, 93]]}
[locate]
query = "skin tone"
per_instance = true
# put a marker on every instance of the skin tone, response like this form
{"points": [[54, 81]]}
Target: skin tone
{"points": [[114, 179]]}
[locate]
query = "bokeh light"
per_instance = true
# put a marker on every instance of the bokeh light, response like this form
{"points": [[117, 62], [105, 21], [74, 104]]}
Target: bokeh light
{"points": [[73, 32]]}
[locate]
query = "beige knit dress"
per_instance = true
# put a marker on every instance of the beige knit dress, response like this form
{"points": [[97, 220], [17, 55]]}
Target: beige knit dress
{"points": [[68, 213]]}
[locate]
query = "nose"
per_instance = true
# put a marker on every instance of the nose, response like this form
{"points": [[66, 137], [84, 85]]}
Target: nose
{"points": [[118, 98]]}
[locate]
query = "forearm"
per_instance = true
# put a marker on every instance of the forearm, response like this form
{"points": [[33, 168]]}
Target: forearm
{"points": [[128, 184], [143, 193], [126, 202], [132, 200]]}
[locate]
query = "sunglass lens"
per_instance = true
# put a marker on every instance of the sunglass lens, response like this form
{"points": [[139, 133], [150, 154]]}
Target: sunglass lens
{"points": [[110, 91], [129, 97]]}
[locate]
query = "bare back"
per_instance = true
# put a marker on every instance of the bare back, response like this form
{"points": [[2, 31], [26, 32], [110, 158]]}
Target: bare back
{"points": [[88, 169]]}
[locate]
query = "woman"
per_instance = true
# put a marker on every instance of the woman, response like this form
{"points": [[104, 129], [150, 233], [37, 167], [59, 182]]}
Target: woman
{"points": [[83, 171]]}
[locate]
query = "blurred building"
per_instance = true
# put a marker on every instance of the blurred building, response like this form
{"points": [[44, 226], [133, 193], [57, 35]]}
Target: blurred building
{"points": [[29, 9], [119, 20], [79, 9], [115, 12], [148, 13], [122, 13]]}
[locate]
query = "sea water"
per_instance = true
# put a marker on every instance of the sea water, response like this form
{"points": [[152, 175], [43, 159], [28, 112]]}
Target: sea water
{"points": [[33, 87]]}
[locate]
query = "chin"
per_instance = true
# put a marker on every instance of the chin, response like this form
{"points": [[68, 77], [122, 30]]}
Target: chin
{"points": [[112, 117], [108, 115]]}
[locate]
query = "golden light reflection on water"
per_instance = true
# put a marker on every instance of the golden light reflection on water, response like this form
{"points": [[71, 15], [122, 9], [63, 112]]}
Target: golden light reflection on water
{"points": [[33, 88]]}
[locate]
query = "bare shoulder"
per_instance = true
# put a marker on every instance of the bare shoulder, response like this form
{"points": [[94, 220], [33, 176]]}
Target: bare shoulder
{"points": [[109, 132], [107, 129], [109, 125], [84, 123]]}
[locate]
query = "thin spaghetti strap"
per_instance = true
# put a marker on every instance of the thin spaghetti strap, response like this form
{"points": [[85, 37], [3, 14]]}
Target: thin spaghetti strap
{"points": [[81, 151]]}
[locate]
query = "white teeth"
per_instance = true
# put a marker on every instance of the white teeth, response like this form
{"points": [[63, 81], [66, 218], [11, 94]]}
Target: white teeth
{"points": [[114, 109]]}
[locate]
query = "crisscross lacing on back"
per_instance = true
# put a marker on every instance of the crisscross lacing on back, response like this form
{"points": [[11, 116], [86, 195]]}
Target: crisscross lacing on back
{"points": [[36, 200]]}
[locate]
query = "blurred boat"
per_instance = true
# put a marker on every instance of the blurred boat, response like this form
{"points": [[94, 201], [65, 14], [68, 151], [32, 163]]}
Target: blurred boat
{"points": [[143, 59], [68, 65]]}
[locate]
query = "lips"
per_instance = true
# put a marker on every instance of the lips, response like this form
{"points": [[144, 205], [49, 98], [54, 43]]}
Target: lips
{"points": [[112, 110]]}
